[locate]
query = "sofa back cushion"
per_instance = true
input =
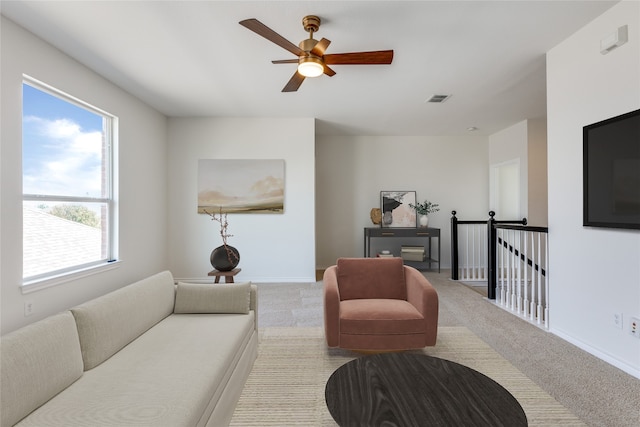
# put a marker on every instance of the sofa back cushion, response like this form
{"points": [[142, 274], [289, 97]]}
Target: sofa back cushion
{"points": [[108, 323], [36, 363], [360, 278], [213, 298]]}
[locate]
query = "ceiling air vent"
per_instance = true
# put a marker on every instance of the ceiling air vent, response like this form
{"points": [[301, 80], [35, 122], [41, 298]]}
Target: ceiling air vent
{"points": [[438, 98]]}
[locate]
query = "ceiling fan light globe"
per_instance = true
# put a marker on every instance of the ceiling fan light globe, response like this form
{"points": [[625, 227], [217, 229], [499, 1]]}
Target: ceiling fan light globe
{"points": [[310, 67]]}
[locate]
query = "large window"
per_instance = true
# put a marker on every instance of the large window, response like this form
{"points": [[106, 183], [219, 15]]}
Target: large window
{"points": [[67, 182]]}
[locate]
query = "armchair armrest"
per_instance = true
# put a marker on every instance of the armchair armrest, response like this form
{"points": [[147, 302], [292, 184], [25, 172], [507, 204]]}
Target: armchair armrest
{"points": [[423, 296], [331, 295]]}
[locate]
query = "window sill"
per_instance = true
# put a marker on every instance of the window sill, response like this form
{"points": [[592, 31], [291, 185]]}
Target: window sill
{"points": [[36, 285]]}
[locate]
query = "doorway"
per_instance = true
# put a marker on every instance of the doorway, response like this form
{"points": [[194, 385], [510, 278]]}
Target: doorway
{"points": [[505, 189]]}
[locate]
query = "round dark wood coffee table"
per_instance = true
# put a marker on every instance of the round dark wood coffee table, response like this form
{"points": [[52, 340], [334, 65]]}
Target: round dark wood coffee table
{"points": [[400, 389]]}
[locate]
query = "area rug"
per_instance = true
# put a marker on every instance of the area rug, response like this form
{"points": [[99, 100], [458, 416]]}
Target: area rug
{"points": [[286, 385]]}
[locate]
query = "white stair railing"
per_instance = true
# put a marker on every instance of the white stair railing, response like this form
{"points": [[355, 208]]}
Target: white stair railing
{"points": [[522, 285], [512, 259], [472, 259]]}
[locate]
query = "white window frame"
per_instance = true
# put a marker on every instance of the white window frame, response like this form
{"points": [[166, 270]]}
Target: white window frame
{"points": [[110, 257]]}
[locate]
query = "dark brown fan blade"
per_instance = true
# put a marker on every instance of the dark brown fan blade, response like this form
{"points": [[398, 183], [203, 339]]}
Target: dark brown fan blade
{"points": [[328, 71], [360, 58], [266, 32], [294, 83], [320, 47]]}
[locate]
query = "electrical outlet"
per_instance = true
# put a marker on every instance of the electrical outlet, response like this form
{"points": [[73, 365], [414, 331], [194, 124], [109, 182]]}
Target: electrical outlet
{"points": [[617, 320], [634, 327], [28, 308]]}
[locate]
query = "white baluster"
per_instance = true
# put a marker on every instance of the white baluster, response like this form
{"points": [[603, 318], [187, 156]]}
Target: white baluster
{"points": [[466, 257], [534, 261], [507, 263], [500, 272], [516, 271], [484, 255], [506, 270], [519, 265], [525, 305], [509, 270], [546, 281], [479, 252], [462, 258], [539, 311], [473, 254], [503, 266], [514, 267]]}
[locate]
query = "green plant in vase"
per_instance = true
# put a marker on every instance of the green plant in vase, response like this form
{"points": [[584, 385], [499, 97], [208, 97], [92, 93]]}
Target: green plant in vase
{"points": [[423, 210]]}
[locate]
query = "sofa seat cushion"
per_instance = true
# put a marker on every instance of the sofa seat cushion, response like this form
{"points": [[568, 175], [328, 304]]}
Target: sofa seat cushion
{"points": [[166, 377], [380, 316]]}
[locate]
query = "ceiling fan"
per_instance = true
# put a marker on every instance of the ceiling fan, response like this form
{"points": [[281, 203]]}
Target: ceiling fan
{"points": [[312, 62]]}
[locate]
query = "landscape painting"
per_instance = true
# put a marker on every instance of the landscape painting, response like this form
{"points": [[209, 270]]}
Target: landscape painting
{"points": [[240, 186]]}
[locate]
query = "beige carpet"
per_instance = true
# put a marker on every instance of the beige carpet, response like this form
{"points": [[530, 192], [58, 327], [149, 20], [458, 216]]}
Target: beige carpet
{"points": [[286, 386]]}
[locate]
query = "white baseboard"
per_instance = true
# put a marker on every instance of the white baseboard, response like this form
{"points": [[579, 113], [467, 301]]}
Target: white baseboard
{"points": [[635, 372]]}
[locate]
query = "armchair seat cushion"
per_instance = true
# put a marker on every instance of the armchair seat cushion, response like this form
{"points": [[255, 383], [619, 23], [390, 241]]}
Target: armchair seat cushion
{"points": [[380, 316]]}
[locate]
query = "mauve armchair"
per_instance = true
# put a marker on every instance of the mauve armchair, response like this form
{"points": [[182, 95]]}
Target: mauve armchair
{"points": [[378, 304]]}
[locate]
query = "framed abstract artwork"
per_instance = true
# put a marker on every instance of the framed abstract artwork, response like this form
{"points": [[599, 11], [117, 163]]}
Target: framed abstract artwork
{"points": [[240, 186], [396, 212]]}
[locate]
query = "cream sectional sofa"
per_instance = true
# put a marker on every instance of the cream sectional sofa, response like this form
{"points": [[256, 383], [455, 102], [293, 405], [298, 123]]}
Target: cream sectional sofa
{"points": [[149, 354]]}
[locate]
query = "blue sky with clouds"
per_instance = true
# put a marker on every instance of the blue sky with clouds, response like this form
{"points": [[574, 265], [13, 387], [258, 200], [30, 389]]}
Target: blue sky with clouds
{"points": [[62, 146]]}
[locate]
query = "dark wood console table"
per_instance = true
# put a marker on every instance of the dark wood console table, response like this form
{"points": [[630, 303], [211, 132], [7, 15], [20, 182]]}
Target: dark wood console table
{"points": [[377, 239]]}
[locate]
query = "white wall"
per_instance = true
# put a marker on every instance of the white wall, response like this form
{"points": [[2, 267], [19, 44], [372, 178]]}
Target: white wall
{"points": [[524, 143], [594, 273], [508, 148], [142, 165], [537, 205], [273, 247], [351, 172]]}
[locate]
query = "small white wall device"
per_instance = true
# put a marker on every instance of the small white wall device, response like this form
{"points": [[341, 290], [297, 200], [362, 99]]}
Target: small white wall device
{"points": [[614, 40]]}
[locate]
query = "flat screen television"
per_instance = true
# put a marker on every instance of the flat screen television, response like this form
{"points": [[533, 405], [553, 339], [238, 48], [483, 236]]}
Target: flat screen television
{"points": [[611, 172]]}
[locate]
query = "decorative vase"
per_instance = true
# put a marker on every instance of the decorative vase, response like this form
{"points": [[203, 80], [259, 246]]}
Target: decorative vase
{"points": [[376, 216], [387, 218], [423, 220], [225, 258]]}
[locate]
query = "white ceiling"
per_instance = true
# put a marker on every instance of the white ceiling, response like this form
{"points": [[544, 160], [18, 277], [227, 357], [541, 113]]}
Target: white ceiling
{"points": [[192, 58]]}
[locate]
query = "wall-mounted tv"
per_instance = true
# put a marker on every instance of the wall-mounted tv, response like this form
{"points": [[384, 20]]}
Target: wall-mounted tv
{"points": [[611, 172]]}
